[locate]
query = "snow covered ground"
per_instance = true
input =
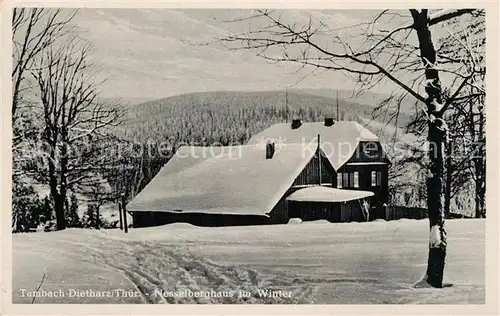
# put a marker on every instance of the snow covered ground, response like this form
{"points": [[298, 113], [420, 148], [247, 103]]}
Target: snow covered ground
{"points": [[315, 262]]}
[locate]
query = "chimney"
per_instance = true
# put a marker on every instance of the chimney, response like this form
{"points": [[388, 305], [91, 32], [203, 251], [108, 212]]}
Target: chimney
{"points": [[296, 123], [329, 121], [270, 148]]}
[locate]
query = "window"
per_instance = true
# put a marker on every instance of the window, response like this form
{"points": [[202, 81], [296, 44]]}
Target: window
{"points": [[345, 180], [356, 179], [339, 180], [374, 178], [351, 179]]}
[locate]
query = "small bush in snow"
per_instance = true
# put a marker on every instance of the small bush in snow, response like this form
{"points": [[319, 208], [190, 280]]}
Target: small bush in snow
{"points": [[295, 221]]}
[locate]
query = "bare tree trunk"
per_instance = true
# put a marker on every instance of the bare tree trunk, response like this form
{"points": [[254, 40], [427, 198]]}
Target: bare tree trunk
{"points": [[63, 188], [436, 138], [480, 170], [477, 171], [53, 183], [437, 239], [483, 191], [56, 197], [59, 210], [449, 171], [97, 220]]}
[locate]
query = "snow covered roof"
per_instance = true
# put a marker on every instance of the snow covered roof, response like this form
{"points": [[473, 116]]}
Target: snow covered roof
{"points": [[224, 180], [327, 194], [338, 142]]}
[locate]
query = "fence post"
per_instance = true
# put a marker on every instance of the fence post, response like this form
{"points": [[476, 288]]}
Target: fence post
{"points": [[124, 208], [120, 213]]}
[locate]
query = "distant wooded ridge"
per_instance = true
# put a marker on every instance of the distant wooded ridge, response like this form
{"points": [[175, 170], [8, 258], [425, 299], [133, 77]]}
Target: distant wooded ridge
{"points": [[233, 116], [366, 98]]}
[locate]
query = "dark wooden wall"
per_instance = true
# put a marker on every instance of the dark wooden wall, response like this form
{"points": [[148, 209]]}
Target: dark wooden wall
{"points": [[310, 174], [147, 219], [333, 212], [279, 213]]}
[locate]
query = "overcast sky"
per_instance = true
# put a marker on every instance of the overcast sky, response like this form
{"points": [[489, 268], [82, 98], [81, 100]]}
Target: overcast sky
{"points": [[146, 54]]}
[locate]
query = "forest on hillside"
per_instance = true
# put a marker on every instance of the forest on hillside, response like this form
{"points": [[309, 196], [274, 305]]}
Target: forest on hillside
{"points": [[232, 116]]}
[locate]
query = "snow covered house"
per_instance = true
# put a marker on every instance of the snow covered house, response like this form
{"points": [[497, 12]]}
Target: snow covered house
{"points": [[332, 170]]}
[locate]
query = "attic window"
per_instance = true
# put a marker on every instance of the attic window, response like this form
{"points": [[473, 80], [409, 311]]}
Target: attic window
{"points": [[339, 180]]}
